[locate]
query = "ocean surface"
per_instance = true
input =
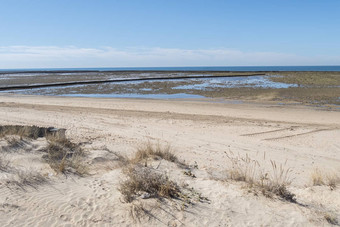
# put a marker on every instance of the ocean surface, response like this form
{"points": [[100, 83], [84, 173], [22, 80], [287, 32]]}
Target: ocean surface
{"points": [[210, 68]]}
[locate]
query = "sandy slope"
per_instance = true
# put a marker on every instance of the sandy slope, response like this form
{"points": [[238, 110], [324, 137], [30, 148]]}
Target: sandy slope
{"points": [[200, 132]]}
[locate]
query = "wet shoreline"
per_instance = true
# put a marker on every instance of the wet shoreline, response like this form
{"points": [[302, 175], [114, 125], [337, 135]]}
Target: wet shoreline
{"points": [[16, 87]]}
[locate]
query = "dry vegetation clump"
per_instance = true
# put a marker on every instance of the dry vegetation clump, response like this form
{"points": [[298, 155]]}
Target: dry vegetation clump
{"points": [[277, 182], [144, 181], [139, 209], [319, 178], [147, 182], [29, 178], [15, 143], [16, 177], [62, 155], [20, 178], [331, 219], [65, 157], [333, 181], [243, 168], [155, 152], [4, 164], [248, 170], [32, 132]]}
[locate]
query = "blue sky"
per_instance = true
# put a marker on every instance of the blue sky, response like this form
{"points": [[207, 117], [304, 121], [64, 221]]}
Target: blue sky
{"points": [[137, 33]]}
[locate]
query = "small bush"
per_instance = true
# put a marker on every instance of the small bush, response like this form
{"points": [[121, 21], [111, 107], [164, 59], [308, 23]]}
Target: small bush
{"points": [[146, 180]]}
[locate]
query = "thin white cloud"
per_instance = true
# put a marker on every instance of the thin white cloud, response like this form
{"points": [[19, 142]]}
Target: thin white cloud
{"points": [[75, 57]]}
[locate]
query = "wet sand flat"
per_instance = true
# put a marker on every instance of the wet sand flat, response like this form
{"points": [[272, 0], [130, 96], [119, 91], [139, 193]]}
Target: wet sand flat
{"points": [[306, 88]]}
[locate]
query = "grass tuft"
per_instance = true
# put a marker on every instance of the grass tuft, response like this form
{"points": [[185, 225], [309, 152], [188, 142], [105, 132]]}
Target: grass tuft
{"points": [[317, 178], [155, 151], [320, 178], [242, 168], [333, 181], [245, 169]]}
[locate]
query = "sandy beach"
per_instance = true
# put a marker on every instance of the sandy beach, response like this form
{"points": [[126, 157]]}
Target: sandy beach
{"points": [[169, 113], [202, 134]]}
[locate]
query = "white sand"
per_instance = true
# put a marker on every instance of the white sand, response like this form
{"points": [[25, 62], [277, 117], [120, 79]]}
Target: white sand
{"points": [[199, 131]]}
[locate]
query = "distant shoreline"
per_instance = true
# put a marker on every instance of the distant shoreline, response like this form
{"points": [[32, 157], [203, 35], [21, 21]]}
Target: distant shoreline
{"points": [[148, 71], [181, 69]]}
